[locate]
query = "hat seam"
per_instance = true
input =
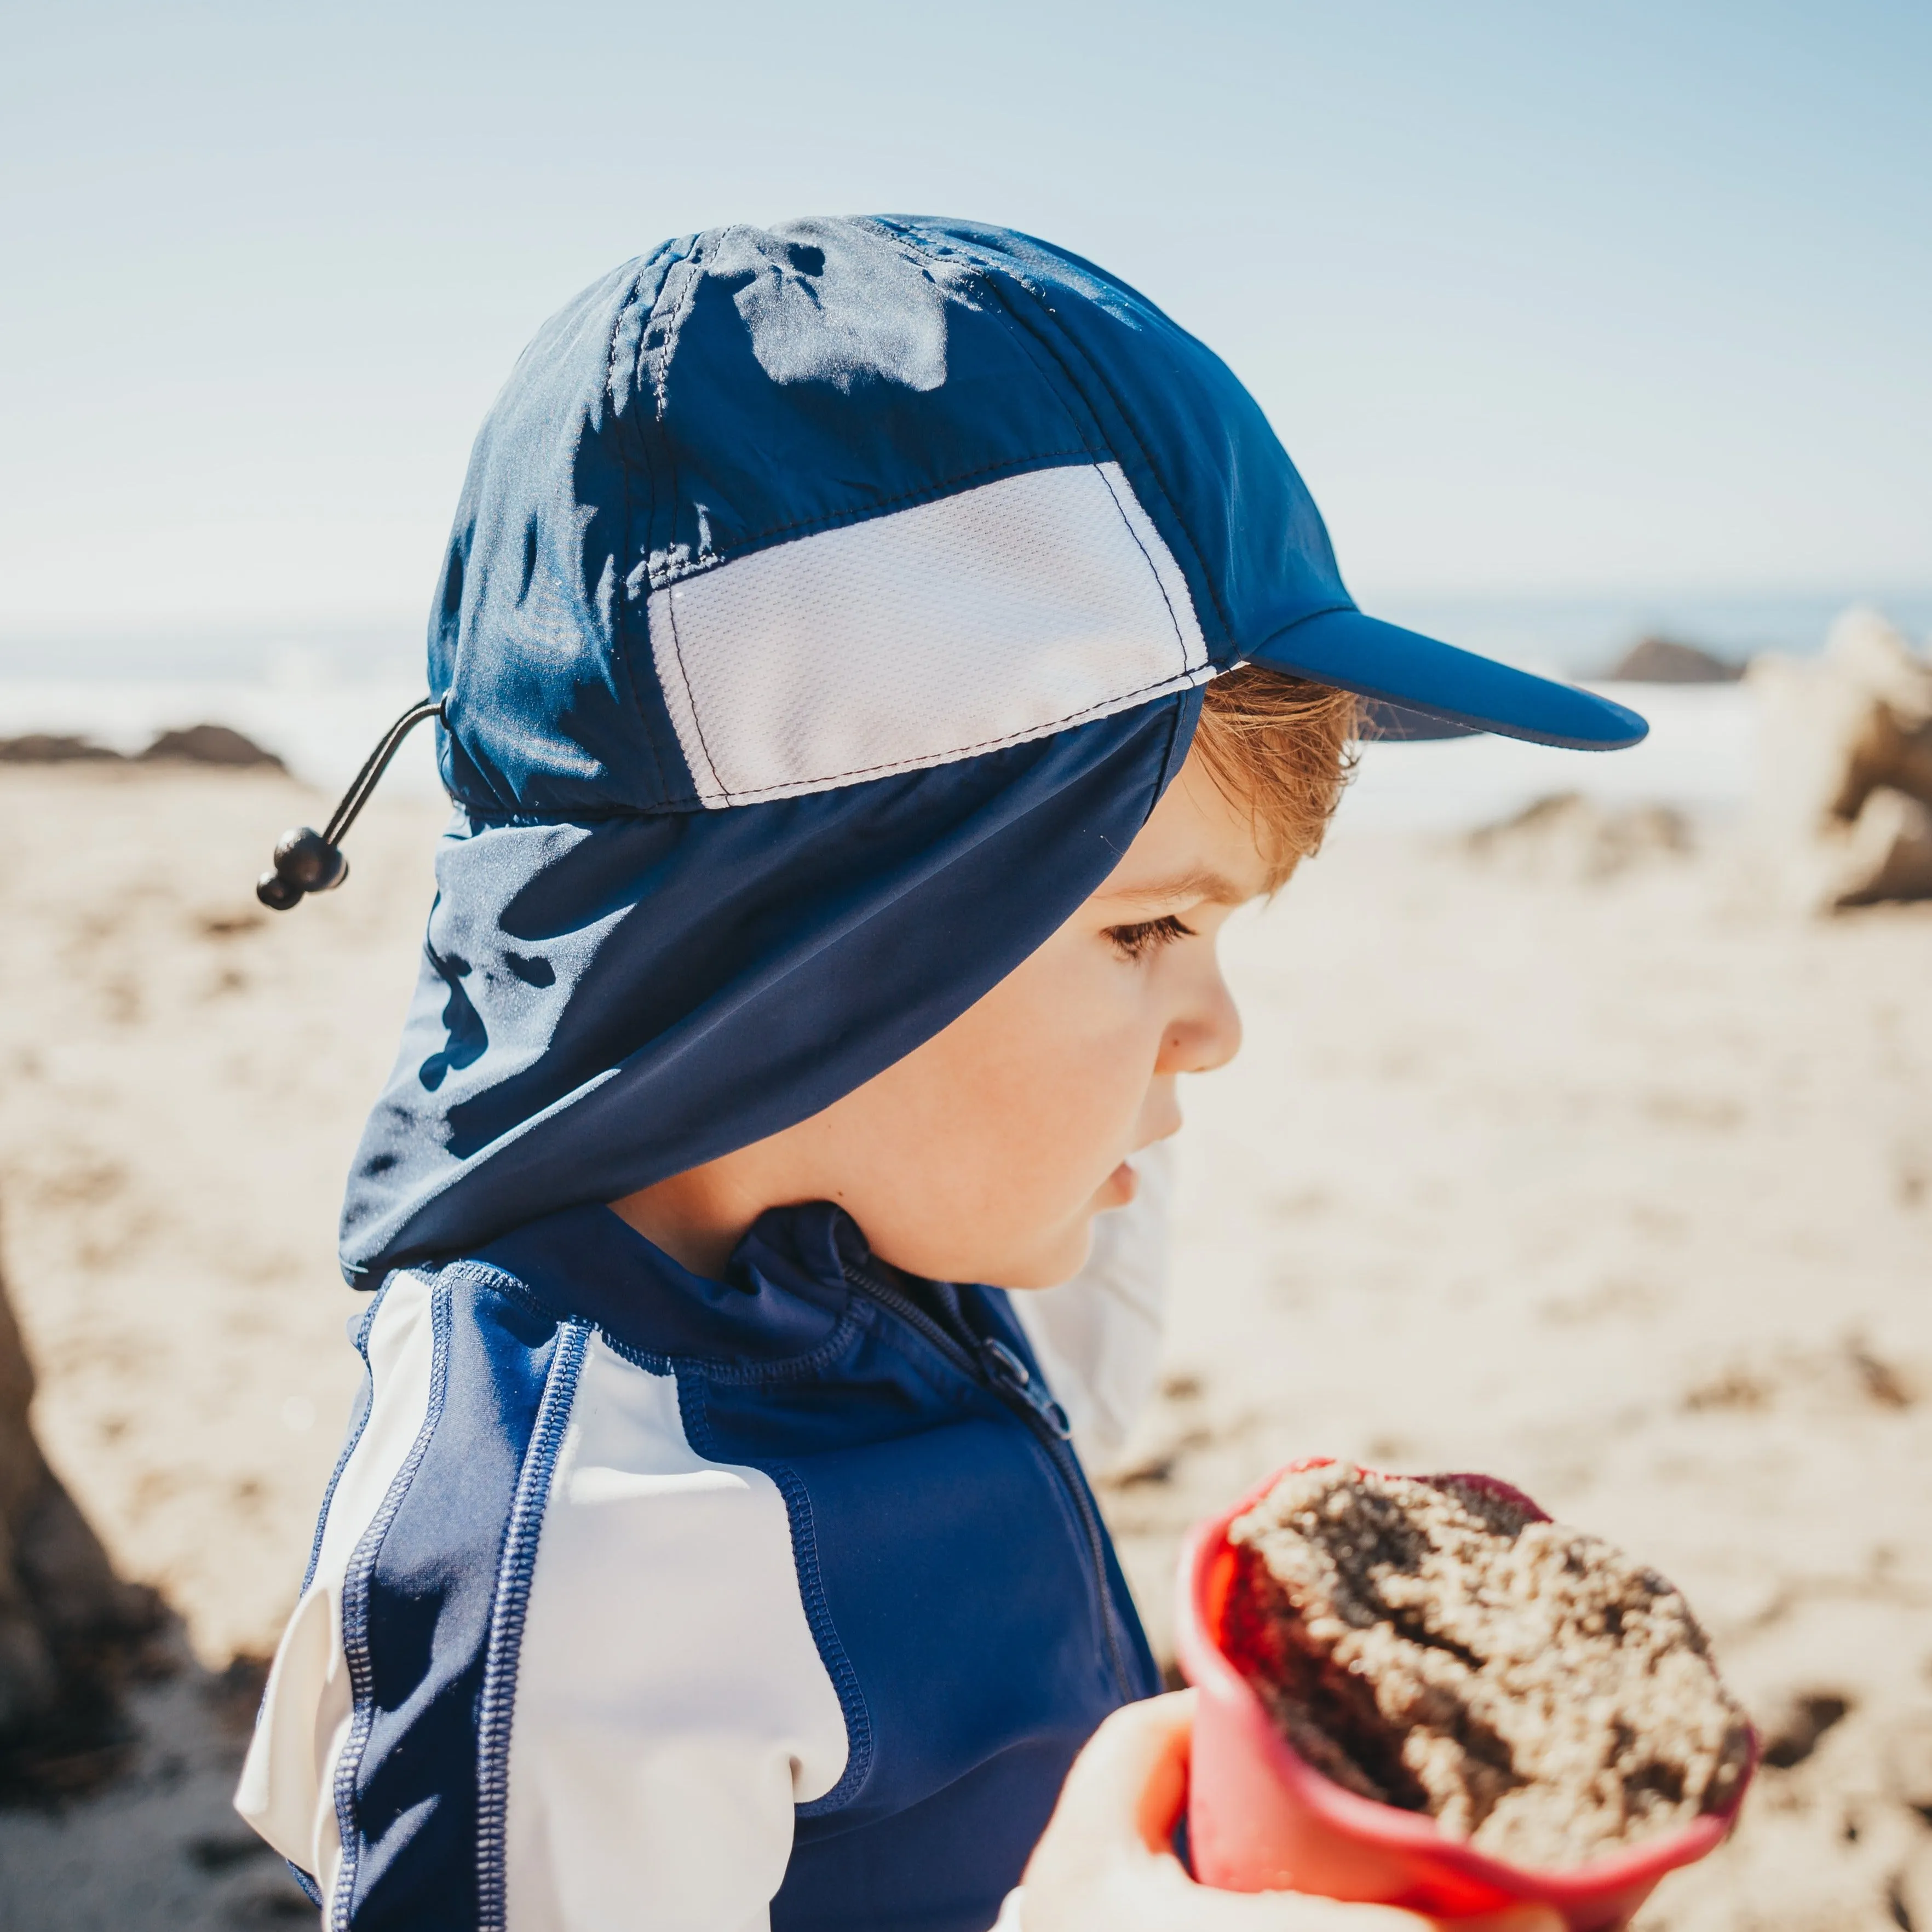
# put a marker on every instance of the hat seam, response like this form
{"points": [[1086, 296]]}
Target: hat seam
{"points": [[1173, 617], [690, 699], [620, 616], [1102, 707], [932, 492], [1347, 609], [687, 299]]}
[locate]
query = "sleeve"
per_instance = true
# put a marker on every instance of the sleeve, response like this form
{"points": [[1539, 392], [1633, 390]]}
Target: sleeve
{"points": [[1098, 1337], [672, 1704], [654, 1704]]}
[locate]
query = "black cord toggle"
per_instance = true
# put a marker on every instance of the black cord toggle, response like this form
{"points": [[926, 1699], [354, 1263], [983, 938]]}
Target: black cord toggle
{"points": [[307, 861]]}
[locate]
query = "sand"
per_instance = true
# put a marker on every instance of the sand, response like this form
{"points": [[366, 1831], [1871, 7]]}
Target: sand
{"points": [[1605, 1179], [1436, 1646]]}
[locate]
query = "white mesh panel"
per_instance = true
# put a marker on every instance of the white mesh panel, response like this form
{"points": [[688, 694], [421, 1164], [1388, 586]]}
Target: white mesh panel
{"points": [[1001, 614]]}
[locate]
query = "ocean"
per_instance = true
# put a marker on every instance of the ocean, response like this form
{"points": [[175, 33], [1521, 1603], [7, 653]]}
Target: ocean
{"points": [[320, 700]]}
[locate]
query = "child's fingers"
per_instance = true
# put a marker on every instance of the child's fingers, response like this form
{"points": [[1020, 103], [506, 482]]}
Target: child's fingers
{"points": [[1104, 1861], [1123, 1793]]}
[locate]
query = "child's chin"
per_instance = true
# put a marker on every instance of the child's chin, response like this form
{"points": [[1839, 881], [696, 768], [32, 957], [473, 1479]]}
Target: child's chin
{"points": [[1053, 1262]]}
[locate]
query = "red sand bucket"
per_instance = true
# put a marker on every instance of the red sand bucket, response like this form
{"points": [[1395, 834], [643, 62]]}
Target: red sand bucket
{"points": [[1260, 1818]]}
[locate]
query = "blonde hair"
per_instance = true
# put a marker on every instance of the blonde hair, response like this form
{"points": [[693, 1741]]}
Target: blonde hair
{"points": [[1284, 747]]}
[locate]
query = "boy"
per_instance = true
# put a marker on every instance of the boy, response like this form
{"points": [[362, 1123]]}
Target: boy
{"points": [[839, 649]]}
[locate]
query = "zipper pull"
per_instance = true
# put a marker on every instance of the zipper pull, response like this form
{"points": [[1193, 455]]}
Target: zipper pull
{"points": [[1011, 1373]]}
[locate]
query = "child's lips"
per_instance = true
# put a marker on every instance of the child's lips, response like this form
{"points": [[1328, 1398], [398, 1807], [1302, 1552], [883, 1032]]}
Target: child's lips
{"points": [[1121, 1186]]}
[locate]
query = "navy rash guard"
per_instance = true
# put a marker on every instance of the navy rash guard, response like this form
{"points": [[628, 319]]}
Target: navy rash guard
{"points": [[794, 1583]]}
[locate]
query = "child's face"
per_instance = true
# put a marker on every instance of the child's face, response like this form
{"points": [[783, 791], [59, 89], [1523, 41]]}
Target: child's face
{"points": [[984, 1154]]}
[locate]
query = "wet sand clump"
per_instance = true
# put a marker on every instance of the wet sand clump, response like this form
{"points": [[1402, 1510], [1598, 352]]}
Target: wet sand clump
{"points": [[1434, 1647]]}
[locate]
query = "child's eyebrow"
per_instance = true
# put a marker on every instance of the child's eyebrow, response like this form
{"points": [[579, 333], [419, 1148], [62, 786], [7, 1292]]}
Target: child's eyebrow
{"points": [[1198, 882]]}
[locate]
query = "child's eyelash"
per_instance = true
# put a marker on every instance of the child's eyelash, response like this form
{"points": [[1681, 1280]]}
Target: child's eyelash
{"points": [[1136, 942]]}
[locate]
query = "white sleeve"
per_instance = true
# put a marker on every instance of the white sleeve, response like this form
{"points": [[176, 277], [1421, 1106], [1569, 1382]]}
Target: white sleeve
{"points": [[1098, 1337], [671, 1704]]}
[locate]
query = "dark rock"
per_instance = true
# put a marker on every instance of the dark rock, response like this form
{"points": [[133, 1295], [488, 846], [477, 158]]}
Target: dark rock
{"points": [[210, 744], [1659, 660], [46, 748], [1793, 1735]]}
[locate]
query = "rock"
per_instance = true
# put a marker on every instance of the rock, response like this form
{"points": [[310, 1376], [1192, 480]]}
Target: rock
{"points": [[1792, 1733], [1909, 1766], [1660, 661], [1866, 649], [1909, 1898], [211, 744], [45, 747], [66, 1620], [1567, 835], [1845, 769], [1886, 853]]}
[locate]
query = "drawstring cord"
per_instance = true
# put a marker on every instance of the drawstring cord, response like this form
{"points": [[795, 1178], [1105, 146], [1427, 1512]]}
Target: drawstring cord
{"points": [[307, 861]]}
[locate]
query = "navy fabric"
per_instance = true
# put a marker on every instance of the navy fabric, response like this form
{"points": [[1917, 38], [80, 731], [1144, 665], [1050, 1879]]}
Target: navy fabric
{"points": [[976, 1639], [1466, 693]]}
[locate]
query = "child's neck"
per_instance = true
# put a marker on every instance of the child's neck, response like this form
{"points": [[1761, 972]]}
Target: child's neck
{"points": [[699, 1217]]}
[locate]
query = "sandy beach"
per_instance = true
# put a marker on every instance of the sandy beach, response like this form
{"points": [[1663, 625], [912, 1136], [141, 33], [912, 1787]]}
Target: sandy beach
{"points": [[1559, 1155]]}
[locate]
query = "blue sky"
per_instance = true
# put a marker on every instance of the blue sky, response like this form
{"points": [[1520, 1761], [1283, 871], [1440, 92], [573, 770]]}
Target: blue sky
{"points": [[1544, 300]]}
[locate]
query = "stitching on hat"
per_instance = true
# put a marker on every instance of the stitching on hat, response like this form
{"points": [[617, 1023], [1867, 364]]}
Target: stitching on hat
{"points": [[1307, 617], [1017, 466], [620, 625], [1119, 701], [687, 300], [1179, 636], [687, 295], [690, 696]]}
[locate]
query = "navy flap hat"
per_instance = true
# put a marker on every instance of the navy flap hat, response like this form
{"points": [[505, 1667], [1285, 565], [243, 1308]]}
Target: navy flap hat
{"points": [[826, 608]]}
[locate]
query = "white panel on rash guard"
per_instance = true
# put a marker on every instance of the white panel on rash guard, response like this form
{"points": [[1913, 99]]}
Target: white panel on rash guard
{"points": [[671, 1707], [986, 619]]}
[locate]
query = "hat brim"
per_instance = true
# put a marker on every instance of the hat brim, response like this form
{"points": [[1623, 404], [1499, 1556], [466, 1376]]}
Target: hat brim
{"points": [[1419, 688]]}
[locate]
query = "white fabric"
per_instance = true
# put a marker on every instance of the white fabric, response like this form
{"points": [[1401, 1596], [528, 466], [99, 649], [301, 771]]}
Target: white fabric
{"points": [[287, 1787], [992, 617], [1012, 1917], [671, 1706], [1098, 1337]]}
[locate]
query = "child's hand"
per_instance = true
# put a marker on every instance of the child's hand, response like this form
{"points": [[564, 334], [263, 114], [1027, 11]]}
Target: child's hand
{"points": [[1103, 1864]]}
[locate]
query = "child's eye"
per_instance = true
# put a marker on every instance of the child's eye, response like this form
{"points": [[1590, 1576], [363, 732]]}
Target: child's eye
{"points": [[1136, 942]]}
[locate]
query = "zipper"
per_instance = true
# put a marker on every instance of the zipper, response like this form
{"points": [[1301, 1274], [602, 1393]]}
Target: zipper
{"points": [[993, 1365]]}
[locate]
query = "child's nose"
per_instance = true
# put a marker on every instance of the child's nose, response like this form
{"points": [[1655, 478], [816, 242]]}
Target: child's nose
{"points": [[1206, 1036]]}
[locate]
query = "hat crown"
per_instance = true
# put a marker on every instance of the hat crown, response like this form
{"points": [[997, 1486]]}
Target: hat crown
{"points": [[746, 391]]}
